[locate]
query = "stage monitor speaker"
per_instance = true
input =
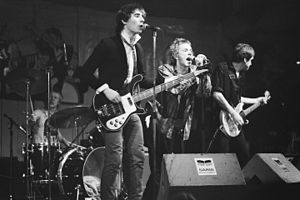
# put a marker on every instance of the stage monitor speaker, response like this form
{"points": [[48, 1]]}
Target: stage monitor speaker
{"points": [[270, 168], [204, 175]]}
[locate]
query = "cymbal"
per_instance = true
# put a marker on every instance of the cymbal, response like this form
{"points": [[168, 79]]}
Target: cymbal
{"points": [[17, 81], [69, 117]]}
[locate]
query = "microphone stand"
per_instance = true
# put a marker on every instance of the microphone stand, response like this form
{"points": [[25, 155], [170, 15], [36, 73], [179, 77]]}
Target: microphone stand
{"points": [[154, 112], [49, 133], [11, 123], [202, 107]]}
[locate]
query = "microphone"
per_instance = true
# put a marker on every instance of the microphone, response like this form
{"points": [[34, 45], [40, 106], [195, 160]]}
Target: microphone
{"points": [[204, 64], [196, 61], [150, 27], [65, 54]]}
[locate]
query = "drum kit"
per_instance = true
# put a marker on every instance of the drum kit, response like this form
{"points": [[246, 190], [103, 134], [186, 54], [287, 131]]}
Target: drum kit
{"points": [[73, 173]]}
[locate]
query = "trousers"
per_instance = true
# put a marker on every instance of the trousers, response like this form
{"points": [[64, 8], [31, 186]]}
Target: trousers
{"points": [[124, 149]]}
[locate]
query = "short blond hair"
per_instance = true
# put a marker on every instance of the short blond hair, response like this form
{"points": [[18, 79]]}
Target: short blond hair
{"points": [[174, 48]]}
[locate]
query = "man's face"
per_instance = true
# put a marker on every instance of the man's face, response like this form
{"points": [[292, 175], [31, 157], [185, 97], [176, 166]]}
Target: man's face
{"points": [[248, 63], [55, 99], [185, 52], [135, 21]]}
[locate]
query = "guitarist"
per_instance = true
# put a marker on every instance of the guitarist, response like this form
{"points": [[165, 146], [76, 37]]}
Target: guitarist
{"points": [[117, 59], [228, 80]]}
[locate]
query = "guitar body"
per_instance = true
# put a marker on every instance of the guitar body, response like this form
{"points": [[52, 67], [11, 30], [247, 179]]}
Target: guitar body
{"points": [[228, 126], [113, 116]]}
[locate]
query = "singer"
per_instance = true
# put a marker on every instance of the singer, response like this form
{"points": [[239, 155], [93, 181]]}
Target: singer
{"points": [[118, 58], [176, 108]]}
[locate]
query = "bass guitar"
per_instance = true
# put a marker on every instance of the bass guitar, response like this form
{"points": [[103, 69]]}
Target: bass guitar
{"points": [[229, 127], [113, 116]]}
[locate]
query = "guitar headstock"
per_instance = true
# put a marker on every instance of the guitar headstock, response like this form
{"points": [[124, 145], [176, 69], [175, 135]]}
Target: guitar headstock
{"points": [[198, 72]]}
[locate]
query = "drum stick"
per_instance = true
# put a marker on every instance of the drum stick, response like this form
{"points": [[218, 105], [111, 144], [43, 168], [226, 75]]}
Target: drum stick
{"points": [[31, 104]]}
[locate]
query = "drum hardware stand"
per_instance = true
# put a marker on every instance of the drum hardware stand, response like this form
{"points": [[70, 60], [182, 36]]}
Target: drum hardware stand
{"points": [[76, 128], [77, 188], [76, 131], [28, 182], [73, 141], [123, 195]]}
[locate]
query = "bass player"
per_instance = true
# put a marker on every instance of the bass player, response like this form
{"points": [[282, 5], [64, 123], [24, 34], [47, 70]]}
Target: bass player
{"points": [[118, 59]]}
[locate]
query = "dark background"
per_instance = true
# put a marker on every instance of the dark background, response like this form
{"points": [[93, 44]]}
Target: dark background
{"points": [[272, 27]]}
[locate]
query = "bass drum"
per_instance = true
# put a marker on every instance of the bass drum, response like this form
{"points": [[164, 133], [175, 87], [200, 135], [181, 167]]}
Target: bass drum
{"points": [[79, 173]]}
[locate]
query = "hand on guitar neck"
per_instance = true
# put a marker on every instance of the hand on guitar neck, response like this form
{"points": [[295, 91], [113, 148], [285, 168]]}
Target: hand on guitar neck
{"points": [[264, 100]]}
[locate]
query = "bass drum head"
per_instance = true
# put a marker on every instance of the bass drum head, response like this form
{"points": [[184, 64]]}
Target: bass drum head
{"points": [[69, 172], [81, 169], [92, 171]]}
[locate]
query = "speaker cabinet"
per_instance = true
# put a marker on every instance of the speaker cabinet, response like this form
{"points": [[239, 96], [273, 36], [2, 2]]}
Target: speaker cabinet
{"points": [[270, 168], [204, 175]]}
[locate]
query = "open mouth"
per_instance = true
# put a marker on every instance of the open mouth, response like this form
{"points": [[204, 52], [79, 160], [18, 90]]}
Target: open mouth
{"points": [[189, 59], [142, 27]]}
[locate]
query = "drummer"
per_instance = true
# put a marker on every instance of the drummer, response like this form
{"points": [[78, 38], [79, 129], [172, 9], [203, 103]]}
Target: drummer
{"points": [[39, 117]]}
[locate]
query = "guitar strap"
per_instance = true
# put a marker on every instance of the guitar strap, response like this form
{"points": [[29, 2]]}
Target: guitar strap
{"points": [[233, 80]]}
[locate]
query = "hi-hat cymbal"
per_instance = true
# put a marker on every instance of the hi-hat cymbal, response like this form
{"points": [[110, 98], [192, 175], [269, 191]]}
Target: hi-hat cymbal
{"points": [[17, 81], [72, 117]]}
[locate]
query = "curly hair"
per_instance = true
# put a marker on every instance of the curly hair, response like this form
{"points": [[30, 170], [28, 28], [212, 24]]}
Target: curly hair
{"points": [[124, 14], [242, 51], [174, 48]]}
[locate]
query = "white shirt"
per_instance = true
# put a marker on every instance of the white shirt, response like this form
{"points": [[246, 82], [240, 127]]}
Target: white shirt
{"points": [[130, 55]]}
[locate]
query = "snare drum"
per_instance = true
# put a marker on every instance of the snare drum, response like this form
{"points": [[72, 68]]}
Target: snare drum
{"points": [[80, 171]]}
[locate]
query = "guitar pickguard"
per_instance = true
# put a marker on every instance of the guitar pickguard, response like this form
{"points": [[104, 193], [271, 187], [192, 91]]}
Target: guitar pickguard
{"points": [[129, 107], [229, 128]]}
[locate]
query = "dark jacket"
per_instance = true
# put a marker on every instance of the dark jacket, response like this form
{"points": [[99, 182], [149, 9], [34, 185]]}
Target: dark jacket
{"points": [[109, 56]]}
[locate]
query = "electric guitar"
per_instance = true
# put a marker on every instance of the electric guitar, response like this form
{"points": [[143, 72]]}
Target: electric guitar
{"points": [[113, 116], [229, 127]]}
